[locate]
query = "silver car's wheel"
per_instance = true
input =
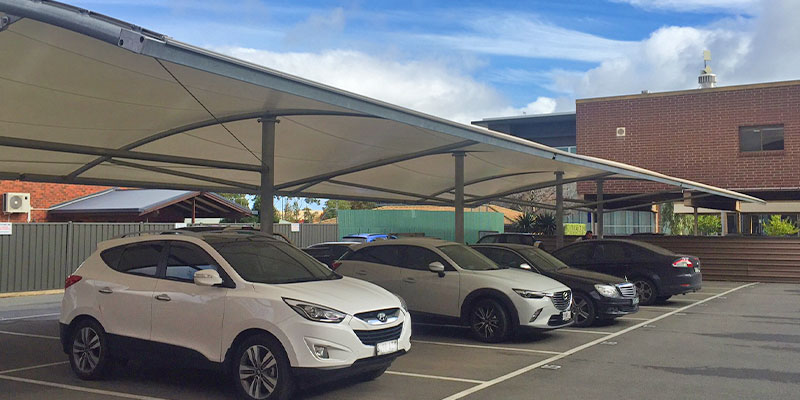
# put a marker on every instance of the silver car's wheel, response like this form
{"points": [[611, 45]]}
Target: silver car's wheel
{"points": [[88, 354], [86, 349], [258, 372]]}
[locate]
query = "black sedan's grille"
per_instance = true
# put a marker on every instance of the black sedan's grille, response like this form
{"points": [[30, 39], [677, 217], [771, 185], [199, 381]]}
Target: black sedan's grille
{"points": [[562, 299], [373, 337], [628, 290]]}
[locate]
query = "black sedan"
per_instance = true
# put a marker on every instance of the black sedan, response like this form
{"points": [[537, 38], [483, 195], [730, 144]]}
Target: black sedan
{"points": [[595, 296], [657, 272]]}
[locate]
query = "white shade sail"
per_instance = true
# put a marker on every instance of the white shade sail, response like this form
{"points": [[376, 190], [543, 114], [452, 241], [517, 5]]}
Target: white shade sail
{"points": [[91, 100]]}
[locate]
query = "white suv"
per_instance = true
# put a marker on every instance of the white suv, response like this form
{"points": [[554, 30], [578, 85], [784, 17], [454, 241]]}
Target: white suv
{"points": [[455, 283], [255, 307]]}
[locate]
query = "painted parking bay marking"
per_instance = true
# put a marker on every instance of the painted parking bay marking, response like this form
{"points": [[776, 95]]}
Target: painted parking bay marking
{"points": [[477, 346], [574, 350]]}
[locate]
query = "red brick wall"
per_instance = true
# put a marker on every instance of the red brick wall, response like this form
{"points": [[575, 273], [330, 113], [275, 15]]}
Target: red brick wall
{"points": [[43, 195], [694, 135]]}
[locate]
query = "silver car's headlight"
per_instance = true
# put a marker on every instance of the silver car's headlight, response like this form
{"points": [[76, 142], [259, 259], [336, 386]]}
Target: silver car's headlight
{"points": [[531, 294], [607, 290], [402, 303], [315, 312]]}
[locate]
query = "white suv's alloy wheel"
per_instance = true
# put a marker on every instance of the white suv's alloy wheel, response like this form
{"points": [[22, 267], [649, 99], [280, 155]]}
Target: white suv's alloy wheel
{"points": [[258, 372], [86, 349]]}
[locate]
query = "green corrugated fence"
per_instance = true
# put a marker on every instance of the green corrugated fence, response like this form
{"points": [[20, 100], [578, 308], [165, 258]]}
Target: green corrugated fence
{"points": [[438, 224]]}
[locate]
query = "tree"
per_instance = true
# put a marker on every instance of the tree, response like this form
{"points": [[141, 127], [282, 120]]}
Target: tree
{"points": [[545, 224], [525, 222], [780, 227], [709, 225], [238, 198], [333, 206], [675, 224]]}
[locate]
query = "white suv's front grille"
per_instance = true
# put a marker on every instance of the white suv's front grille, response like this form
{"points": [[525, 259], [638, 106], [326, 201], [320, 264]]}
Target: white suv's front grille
{"points": [[562, 300], [627, 289]]}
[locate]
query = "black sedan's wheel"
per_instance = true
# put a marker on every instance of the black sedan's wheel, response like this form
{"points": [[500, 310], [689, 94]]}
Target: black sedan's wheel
{"points": [[88, 352], [646, 290], [489, 321], [583, 310], [262, 370]]}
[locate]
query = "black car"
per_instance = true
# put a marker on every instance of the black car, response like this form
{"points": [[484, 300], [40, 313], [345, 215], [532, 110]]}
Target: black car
{"points": [[328, 252], [596, 296], [511, 237], [657, 272]]}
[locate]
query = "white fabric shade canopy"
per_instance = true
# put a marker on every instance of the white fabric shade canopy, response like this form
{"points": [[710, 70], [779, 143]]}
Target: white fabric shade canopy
{"points": [[88, 99]]}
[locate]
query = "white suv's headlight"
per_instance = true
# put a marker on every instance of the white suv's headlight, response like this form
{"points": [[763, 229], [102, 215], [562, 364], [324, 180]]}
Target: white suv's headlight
{"points": [[402, 302], [531, 294], [607, 290], [315, 312]]}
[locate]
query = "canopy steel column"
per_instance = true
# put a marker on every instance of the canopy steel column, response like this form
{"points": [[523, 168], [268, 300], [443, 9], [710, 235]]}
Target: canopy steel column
{"points": [[559, 209], [599, 208], [267, 172], [459, 200]]}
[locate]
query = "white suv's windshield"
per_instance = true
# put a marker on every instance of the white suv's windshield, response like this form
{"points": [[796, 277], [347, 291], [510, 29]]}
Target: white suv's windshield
{"points": [[468, 258], [261, 261]]}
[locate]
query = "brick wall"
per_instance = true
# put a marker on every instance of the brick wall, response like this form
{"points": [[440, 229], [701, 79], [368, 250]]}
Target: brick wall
{"points": [[694, 135], [43, 195]]}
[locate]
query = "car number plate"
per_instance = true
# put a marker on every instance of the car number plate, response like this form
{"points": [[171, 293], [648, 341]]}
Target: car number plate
{"points": [[386, 347], [566, 315], [635, 301]]}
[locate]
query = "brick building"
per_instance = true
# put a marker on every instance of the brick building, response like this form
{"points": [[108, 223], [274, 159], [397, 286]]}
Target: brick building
{"points": [[745, 138], [42, 197]]}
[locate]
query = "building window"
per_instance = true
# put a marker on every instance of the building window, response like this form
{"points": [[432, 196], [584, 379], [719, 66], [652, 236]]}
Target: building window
{"points": [[761, 138], [568, 149]]}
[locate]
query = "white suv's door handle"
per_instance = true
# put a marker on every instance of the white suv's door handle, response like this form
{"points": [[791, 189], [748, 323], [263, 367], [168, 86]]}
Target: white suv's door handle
{"points": [[409, 280], [163, 297], [106, 290], [361, 272]]}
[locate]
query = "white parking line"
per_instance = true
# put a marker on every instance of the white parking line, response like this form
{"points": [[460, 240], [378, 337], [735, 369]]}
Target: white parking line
{"points": [[477, 346], [667, 308], [29, 335], [441, 378], [28, 317], [582, 331], [80, 389], [574, 350], [8, 371], [633, 319]]}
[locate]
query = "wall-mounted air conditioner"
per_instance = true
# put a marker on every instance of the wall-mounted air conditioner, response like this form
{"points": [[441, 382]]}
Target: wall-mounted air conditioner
{"points": [[16, 202]]}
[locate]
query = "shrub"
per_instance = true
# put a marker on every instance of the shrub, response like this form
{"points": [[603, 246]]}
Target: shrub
{"points": [[779, 227]]}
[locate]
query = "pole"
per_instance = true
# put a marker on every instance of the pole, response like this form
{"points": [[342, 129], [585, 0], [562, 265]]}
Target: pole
{"points": [[599, 208], [267, 172], [194, 209], [459, 200], [559, 209], [696, 222]]}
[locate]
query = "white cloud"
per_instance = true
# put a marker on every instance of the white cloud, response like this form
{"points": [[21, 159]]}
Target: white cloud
{"points": [[747, 6], [529, 36], [744, 50], [432, 86]]}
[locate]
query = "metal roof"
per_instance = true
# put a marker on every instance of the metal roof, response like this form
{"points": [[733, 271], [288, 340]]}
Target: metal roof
{"points": [[88, 99], [138, 201]]}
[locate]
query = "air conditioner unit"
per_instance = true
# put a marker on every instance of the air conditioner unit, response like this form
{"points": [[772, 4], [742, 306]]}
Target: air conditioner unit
{"points": [[16, 202], [621, 131]]}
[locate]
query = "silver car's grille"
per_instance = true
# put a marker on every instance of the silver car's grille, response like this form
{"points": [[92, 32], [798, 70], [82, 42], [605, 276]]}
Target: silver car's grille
{"points": [[627, 289], [562, 300]]}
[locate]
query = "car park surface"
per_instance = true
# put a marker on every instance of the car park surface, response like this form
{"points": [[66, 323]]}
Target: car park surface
{"points": [[730, 340]]}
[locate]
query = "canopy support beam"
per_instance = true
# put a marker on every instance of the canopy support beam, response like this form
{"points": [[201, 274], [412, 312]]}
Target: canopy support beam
{"points": [[600, 204], [182, 174], [459, 200], [559, 209], [373, 164], [392, 191], [267, 172], [487, 178], [133, 155], [542, 185]]}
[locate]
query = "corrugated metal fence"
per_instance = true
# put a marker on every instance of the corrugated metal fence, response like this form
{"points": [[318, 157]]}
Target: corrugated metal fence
{"points": [[40, 256], [735, 258]]}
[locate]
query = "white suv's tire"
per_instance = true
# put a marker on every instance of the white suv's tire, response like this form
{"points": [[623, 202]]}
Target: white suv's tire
{"points": [[88, 350], [261, 370], [489, 321]]}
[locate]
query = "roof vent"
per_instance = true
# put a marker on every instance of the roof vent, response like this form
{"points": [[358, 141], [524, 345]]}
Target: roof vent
{"points": [[706, 78]]}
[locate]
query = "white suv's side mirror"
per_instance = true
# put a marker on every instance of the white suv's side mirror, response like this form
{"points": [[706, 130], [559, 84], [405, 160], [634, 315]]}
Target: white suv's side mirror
{"points": [[436, 267], [207, 277]]}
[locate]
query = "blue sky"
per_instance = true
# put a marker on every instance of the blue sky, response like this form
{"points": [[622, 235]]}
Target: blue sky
{"points": [[469, 60]]}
